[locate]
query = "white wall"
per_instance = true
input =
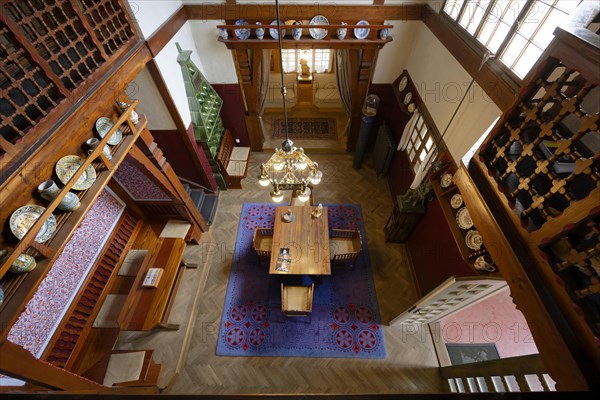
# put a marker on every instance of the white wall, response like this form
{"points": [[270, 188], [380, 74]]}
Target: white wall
{"points": [[441, 82], [151, 103], [149, 15], [217, 63], [393, 57]]}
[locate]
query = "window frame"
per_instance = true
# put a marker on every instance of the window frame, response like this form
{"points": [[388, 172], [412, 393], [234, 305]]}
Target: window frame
{"points": [[473, 42], [312, 61]]}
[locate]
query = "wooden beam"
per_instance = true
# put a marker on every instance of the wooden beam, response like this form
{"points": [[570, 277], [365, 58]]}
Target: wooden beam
{"points": [[163, 35], [498, 85], [21, 364], [266, 12]]}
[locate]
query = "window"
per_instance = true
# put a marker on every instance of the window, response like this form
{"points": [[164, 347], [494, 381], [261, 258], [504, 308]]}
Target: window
{"points": [[420, 141], [516, 31], [318, 60]]}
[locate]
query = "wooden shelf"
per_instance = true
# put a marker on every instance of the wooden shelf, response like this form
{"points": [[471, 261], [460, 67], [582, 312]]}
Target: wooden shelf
{"points": [[444, 195], [21, 287]]}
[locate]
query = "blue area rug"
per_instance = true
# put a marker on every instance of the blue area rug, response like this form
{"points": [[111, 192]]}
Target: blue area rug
{"points": [[345, 319]]}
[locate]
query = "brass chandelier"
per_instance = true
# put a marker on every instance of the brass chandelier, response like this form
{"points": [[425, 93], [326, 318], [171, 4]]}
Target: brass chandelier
{"points": [[288, 168]]}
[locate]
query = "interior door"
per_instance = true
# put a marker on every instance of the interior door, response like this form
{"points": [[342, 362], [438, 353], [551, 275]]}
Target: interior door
{"points": [[451, 296]]}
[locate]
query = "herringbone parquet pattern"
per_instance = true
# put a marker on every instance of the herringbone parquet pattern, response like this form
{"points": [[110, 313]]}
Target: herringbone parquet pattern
{"points": [[411, 365]]}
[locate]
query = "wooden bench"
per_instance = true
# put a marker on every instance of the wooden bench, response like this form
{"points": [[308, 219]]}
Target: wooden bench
{"points": [[233, 161]]}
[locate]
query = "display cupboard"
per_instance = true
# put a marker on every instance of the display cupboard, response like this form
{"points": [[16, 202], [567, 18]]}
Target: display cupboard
{"points": [[533, 190], [65, 65]]}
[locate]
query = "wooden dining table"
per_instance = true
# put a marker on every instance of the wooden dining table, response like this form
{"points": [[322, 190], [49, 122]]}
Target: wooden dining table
{"points": [[306, 237]]}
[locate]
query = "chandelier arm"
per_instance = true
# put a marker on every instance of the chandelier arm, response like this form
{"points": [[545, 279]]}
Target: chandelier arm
{"points": [[283, 89]]}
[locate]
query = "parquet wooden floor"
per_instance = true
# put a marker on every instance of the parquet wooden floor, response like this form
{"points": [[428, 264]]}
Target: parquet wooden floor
{"points": [[411, 365]]}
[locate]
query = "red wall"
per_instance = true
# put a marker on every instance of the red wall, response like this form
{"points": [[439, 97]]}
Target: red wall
{"points": [[434, 254], [232, 112]]}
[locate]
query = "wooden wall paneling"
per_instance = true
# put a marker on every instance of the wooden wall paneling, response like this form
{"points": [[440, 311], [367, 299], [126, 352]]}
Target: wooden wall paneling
{"points": [[19, 363], [181, 128]]}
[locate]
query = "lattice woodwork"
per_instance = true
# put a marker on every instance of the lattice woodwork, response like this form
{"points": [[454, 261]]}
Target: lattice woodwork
{"points": [[546, 154], [110, 23], [575, 259], [29, 94], [87, 305], [55, 30]]}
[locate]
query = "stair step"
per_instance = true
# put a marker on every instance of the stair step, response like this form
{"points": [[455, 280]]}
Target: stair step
{"points": [[198, 196], [187, 188], [209, 207]]}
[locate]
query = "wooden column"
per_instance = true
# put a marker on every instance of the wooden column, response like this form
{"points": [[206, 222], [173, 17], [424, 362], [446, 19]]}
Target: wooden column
{"points": [[248, 68], [362, 62], [17, 362]]}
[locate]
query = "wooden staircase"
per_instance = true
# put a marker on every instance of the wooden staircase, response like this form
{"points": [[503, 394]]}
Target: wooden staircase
{"points": [[206, 202]]}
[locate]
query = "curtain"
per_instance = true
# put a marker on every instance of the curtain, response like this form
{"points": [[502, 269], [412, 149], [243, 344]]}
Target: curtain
{"points": [[263, 84], [408, 131], [343, 75]]}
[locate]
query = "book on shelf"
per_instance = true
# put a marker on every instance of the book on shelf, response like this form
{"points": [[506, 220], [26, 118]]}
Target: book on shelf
{"points": [[152, 277], [283, 260], [563, 164]]}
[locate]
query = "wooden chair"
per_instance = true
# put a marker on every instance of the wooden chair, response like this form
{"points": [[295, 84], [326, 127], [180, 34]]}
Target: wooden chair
{"points": [[127, 368], [296, 301], [345, 246], [262, 241]]}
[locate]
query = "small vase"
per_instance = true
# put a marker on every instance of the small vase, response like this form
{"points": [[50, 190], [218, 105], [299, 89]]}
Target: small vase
{"points": [[297, 32], [23, 263], [341, 32], [133, 117], [260, 32], [91, 144], [48, 190], [223, 33], [384, 33]]}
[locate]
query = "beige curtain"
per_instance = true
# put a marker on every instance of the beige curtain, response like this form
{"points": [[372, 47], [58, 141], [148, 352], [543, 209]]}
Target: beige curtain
{"points": [[263, 84], [343, 75]]}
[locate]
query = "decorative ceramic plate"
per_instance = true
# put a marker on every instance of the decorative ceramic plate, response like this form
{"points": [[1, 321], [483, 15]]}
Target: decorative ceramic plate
{"points": [[361, 33], [407, 98], [403, 83], [103, 125], [273, 31], [242, 33], [66, 168], [446, 180], [318, 33], [456, 200], [24, 218], [464, 219], [473, 240]]}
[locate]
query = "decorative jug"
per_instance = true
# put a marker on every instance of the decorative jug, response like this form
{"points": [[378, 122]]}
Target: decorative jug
{"points": [[384, 33], [341, 32], [133, 117], [297, 32], [223, 33], [23, 263], [48, 190], [260, 32], [91, 144]]}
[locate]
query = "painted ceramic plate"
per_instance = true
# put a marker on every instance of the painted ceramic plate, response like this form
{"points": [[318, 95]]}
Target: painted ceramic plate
{"points": [[463, 218], [318, 33], [66, 168], [273, 31], [446, 180], [473, 240], [456, 200], [103, 125], [242, 33], [24, 218], [403, 83], [407, 98], [361, 33]]}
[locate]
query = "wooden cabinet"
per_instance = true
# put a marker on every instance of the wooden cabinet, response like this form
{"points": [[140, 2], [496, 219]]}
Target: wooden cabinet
{"points": [[532, 189]]}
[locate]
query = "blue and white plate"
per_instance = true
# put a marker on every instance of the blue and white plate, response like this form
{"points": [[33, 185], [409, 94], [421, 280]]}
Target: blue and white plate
{"points": [[242, 33], [318, 33], [273, 31], [361, 33]]}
